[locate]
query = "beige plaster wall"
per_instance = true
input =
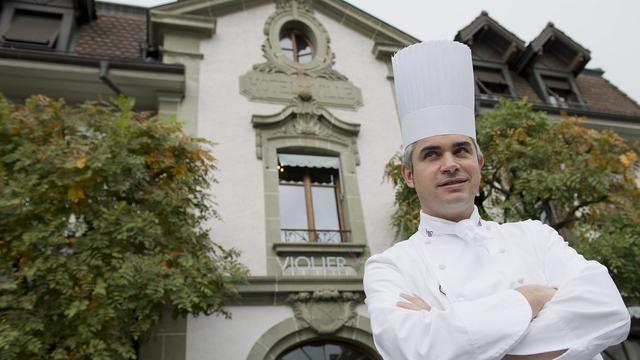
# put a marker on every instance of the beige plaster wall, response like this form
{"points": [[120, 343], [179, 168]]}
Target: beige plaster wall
{"points": [[224, 116], [211, 337], [379, 137]]}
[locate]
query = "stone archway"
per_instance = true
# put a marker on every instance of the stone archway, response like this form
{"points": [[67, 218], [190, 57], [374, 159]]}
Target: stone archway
{"points": [[291, 332]]}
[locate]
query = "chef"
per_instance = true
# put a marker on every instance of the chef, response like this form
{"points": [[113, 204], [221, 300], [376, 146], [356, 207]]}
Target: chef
{"points": [[462, 287]]}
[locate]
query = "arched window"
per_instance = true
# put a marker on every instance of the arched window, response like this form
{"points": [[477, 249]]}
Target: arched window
{"points": [[326, 350], [296, 46]]}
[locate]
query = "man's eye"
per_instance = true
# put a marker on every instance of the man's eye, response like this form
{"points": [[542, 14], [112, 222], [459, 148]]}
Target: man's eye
{"points": [[462, 150], [430, 154]]}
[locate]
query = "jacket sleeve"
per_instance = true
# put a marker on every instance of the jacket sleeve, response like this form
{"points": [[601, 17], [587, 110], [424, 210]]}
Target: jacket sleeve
{"points": [[586, 315], [480, 329]]}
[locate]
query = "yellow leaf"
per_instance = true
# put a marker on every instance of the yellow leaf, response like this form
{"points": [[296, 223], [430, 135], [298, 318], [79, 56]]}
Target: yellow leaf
{"points": [[81, 161], [624, 160], [206, 155], [75, 194], [179, 169]]}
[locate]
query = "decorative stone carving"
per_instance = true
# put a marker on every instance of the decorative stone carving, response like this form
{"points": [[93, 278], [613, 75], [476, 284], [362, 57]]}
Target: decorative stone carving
{"points": [[280, 79], [305, 117], [325, 311]]}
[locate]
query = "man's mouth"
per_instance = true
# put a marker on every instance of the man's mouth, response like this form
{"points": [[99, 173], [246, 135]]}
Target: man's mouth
{"points": [[453, 181]]}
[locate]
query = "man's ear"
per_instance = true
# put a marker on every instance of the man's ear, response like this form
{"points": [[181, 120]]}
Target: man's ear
{"points": [[481, 161], [408, 176]]}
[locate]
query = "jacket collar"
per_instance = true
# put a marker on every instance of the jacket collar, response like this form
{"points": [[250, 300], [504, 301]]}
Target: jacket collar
{"points": [[433, 226]]}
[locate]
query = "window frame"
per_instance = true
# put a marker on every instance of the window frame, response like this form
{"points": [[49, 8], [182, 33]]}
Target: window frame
{"points": [[9, 10], [292, 31], [308, 198], [490, 66], [544, 90]]}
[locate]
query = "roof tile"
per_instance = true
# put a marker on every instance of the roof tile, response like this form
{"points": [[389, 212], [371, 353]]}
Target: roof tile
{"points": [[112, 36]]}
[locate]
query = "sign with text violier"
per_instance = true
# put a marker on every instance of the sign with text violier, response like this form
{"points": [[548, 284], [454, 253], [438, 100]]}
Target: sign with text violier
{"points": [[316, 266]]}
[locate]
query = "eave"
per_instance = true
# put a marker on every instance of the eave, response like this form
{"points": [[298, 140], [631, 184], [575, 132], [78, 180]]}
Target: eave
{"points": [[24, 73]]}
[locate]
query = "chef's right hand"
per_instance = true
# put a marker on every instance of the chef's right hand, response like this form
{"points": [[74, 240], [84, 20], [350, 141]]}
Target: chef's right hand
{"points": [[537, 296]]}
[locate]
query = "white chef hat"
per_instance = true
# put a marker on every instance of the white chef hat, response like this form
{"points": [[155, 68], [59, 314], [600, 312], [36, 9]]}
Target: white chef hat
{"points": [[434, 90]]}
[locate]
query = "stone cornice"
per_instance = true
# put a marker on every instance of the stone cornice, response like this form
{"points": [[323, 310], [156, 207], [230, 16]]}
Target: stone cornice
{"points": [[161, 21], [361, 21]]}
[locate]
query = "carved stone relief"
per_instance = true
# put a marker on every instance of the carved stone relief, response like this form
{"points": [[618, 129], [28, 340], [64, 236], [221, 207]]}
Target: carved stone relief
{"points": [[280, 79], [325, 311], [304, 117]]}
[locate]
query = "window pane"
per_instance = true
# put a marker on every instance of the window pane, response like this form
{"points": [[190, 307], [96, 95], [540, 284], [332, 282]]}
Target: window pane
{"points": [[323, 176], [495, 88], [490, 75], [293, 211], [34, 27], [325, 208], [305, 59], [288, 54], [291, 174], [286, 43], [325, 351], [303, 45]]}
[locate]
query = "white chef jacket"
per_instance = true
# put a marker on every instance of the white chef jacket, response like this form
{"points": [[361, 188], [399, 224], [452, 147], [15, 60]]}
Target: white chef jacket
{"points": [[467, 272]]}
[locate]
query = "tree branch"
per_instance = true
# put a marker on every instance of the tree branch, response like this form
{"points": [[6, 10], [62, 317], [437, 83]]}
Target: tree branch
{"points": [[571, 213]]}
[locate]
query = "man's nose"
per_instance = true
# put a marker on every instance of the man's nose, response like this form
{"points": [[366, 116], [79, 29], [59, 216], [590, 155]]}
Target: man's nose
{"points": [[449, 163]]}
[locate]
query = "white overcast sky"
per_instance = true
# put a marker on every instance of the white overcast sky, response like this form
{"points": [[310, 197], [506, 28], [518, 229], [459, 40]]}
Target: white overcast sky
{"points": [[609, 29]]}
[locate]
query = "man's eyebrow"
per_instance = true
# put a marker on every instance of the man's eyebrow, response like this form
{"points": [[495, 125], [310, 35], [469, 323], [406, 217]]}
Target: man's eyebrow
{"points": [[430, 147], [462, 144]]}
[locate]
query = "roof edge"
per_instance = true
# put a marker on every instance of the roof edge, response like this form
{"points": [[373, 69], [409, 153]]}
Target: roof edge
{"points": [[33, 55]]}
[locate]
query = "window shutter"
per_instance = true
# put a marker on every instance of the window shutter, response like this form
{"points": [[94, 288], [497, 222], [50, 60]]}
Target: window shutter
{"points": [[34, 27]]}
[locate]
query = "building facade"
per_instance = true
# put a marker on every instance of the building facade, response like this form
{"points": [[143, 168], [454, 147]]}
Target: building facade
{"points": [[298, 97]]}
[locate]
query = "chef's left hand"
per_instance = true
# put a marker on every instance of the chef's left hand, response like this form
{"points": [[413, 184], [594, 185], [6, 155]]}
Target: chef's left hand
{"points": [[413, 302]]}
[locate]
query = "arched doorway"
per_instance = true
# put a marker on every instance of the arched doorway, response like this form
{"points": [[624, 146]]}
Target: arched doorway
{"points": [[282, 339], [327, 349]]}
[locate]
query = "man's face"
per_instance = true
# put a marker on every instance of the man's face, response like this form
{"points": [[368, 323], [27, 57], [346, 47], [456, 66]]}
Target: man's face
{"points": [[446, 175]]}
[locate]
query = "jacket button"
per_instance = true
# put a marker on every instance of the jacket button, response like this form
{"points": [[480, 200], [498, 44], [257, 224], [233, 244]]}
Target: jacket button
{"points": [[442, 266], [502, 250], [520, 280]]}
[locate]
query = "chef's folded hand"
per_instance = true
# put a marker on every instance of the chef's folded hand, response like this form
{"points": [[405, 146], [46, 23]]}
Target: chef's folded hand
{"points": [[413, 302]]}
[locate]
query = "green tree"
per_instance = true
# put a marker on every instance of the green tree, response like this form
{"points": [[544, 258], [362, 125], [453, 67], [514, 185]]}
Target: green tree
{"points": [[581, 181], [103, 216]]}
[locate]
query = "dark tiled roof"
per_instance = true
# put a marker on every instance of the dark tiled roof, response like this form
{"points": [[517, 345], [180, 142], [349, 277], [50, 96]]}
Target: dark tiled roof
{"points": [[523, 88], [601, 95], [112, 36]]}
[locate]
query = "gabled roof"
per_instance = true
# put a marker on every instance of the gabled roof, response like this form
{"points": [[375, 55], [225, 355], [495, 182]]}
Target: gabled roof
{"points": [[347, 14], [484, 22], [551, 34]]}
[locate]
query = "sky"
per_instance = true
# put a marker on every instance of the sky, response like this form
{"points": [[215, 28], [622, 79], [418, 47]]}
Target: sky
{"points": [[609, 29]]}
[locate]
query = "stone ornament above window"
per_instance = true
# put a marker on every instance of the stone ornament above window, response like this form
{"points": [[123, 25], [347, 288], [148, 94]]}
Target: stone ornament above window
{"points": [[298, 61], [325, 311], [308, 119]]}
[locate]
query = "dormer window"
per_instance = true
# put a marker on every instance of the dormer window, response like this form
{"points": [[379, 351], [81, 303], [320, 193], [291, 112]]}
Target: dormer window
{"points": [[33, 28], [491, 83], [560, 91], [38, 25]]}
